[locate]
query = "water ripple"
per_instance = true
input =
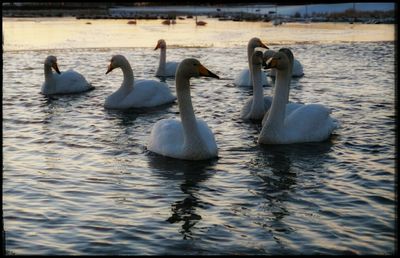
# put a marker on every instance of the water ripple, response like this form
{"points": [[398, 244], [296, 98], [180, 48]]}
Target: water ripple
{"points": [[78, 179]]}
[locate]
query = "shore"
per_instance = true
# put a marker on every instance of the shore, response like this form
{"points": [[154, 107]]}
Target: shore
{"points": [[68, 32]]}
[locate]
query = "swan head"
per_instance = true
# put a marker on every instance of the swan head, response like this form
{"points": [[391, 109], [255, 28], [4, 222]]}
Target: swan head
{"points": [[256, 42], [257, 58], [115, 62], [288, 52], [191, 67], [279, 61], [51, 61], [161, 44]]}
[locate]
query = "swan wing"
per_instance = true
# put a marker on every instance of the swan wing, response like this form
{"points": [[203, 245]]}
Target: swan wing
{"points": [[244, 113], [208, 137], [248, 113], [297, 69], [70, 82], [170, 68], [309, 123], [148, 93], [166, 138], [243, 78], [290, 107]]}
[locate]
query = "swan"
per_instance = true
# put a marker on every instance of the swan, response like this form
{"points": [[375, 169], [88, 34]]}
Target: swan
{"points": [[307, 123], [62, 83], [290, 106], [297, 68], [190, 138], [132, 94], [244, 77], [256, 106], [165, 69]]}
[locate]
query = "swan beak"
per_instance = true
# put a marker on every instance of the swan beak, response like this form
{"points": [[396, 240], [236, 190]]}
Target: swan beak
{"points": [[207, 73], [110, 68], [55, 66], [264, 46], [271, 63], [157, 47]]}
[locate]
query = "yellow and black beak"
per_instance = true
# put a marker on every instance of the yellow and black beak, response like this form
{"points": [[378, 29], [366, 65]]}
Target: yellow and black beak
{"points": [[110, 68], [207, 73], [271, 63], [55, 67]]}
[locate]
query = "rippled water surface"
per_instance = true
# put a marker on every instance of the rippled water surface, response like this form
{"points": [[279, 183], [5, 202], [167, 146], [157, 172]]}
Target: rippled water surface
{"points": [[77, 179]]}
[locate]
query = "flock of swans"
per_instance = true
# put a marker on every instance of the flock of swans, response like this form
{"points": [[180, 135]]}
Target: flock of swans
{"points": [[190, 138]]}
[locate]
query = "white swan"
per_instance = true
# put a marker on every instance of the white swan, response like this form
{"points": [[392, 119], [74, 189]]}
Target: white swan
{"points": [[256, 106], [297, 69], [244, 77], [140, 94], [307, 123], [165, 69], [290, 107], [190, 138], [62, 83]]}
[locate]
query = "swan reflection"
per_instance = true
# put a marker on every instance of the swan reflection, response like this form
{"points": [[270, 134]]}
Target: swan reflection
{"points": [[189, 174], [280, 167]]}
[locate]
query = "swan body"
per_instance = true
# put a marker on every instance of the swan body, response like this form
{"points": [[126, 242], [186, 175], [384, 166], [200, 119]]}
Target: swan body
{"points": [[190, 138], [290, 107], [244, 77], [306, 123], [62, 83], [136, 94], [165, 69]]}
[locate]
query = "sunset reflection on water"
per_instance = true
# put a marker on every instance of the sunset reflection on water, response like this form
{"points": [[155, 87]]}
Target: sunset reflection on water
{"points": [[61, 33]]}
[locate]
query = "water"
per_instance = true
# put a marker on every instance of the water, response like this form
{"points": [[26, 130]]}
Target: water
{"points": [[77, 178]]}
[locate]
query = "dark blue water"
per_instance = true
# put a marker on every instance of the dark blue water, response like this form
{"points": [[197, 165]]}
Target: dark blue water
{"points": [[78, 180]]}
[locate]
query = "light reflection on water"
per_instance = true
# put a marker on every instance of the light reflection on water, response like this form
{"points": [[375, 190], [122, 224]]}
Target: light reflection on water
{"points": [[78, 179], [66, 33]]}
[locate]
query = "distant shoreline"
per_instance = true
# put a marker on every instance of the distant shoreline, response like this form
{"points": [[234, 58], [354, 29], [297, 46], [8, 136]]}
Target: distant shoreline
{"points": [[107, 12]]}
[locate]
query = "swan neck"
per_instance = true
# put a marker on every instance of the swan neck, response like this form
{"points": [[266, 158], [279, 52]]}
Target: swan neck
{"points": [[250, 51], [47, 71], [186, 111], [49, 78], [289, 79], [276, 115], [258, 95], [163, 60], [128, 76]]}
